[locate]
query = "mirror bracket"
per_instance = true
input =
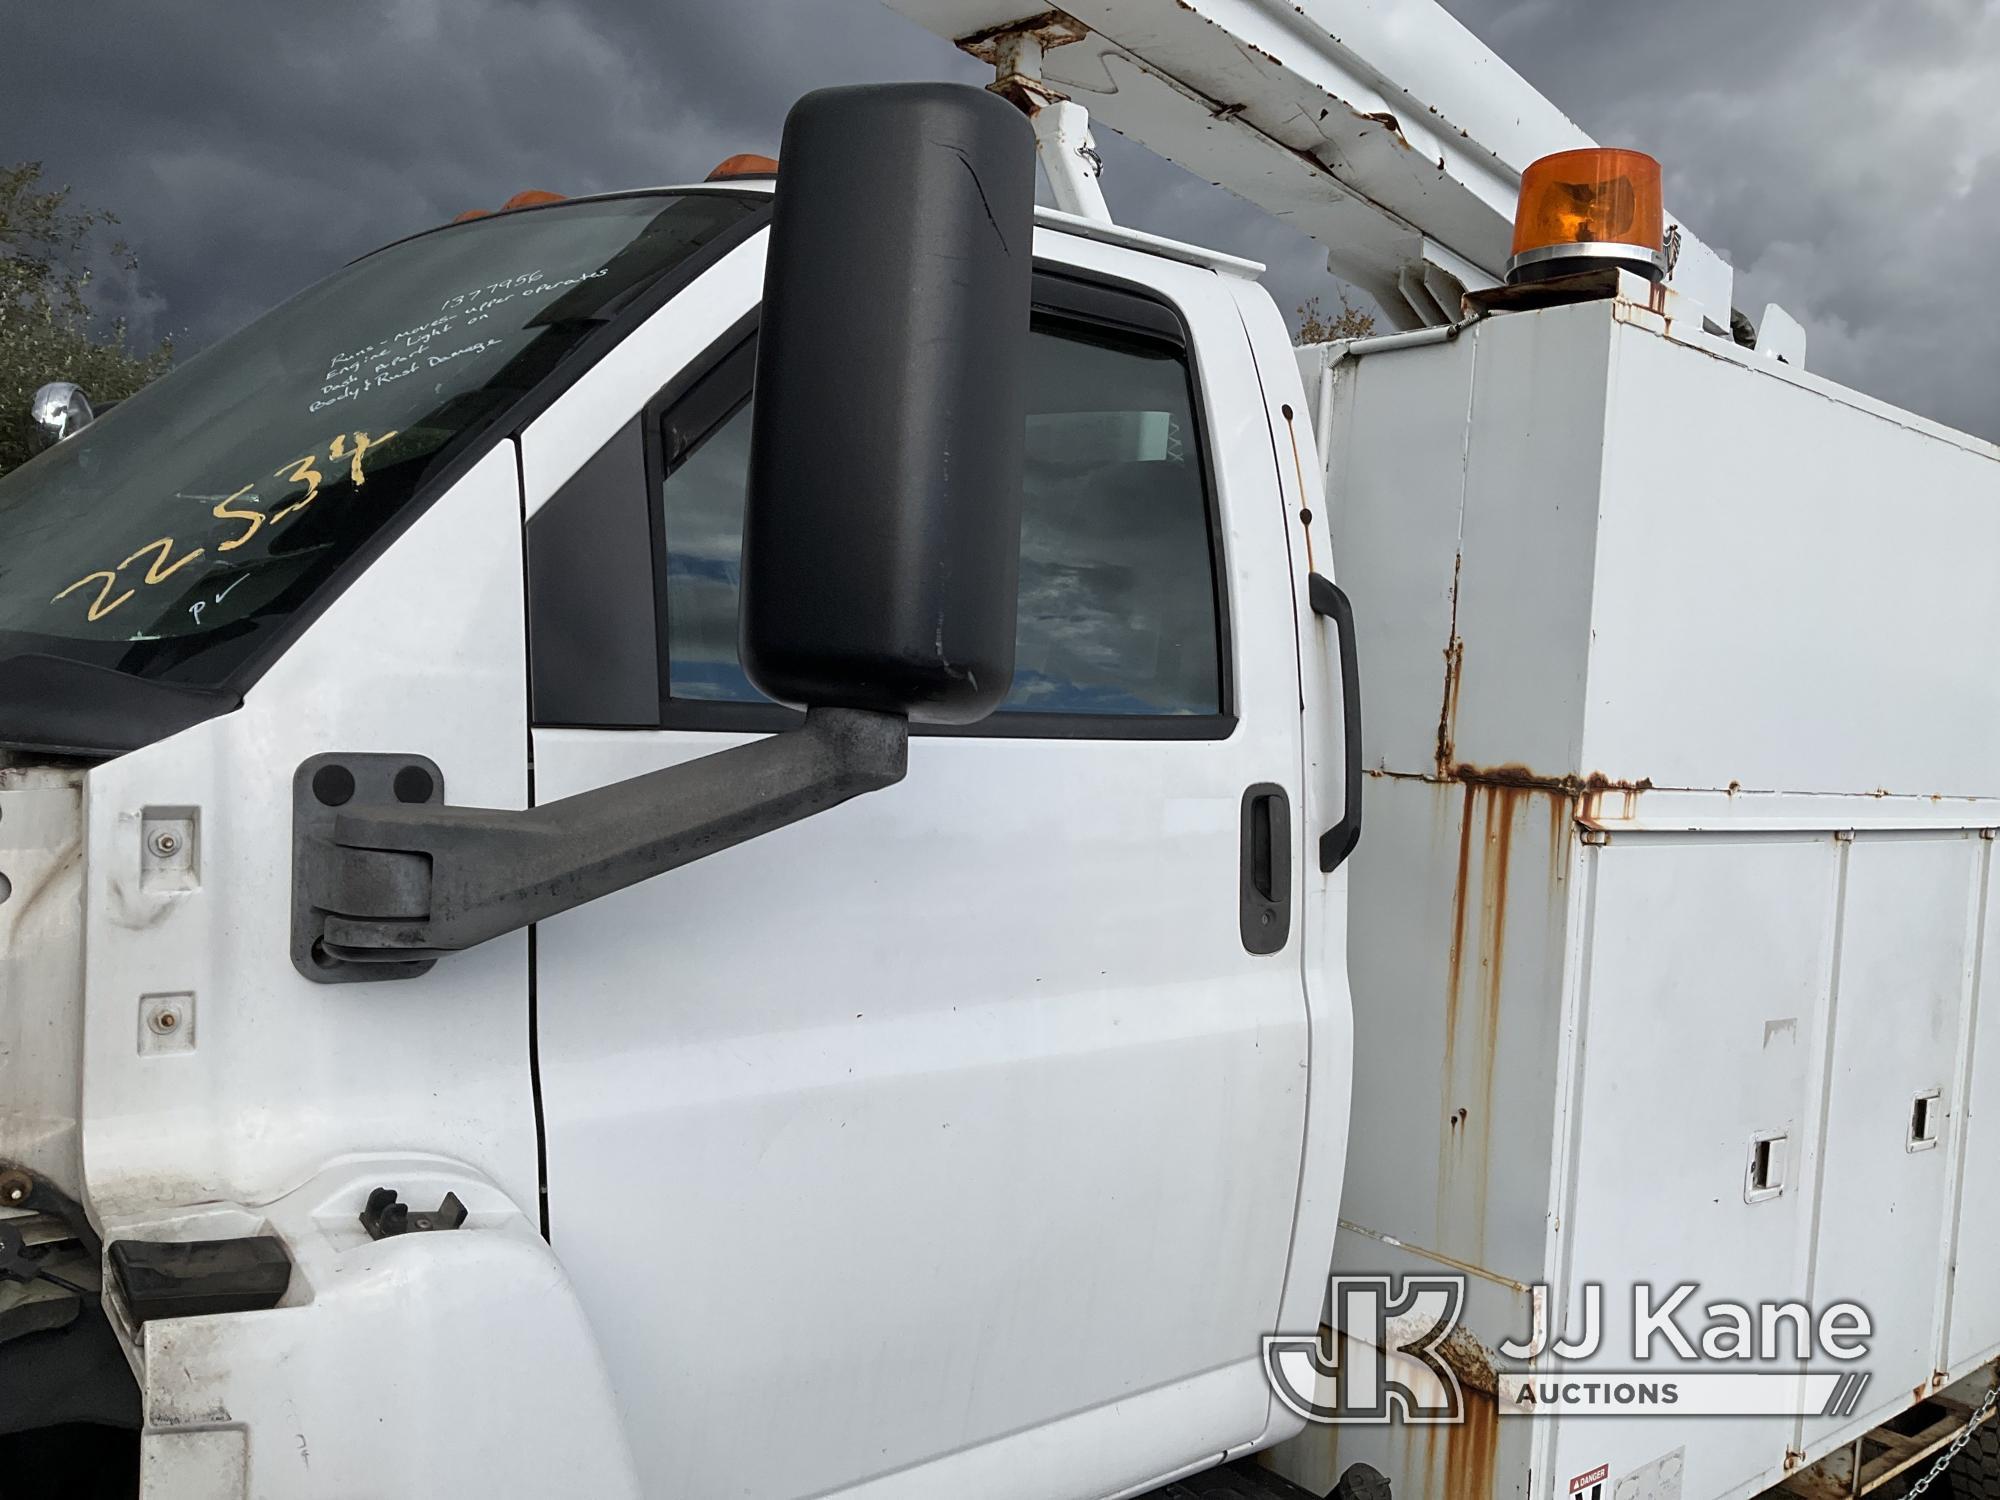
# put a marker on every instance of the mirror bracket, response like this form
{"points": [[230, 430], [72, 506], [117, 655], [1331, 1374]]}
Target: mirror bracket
{"points": [[386, 878]]}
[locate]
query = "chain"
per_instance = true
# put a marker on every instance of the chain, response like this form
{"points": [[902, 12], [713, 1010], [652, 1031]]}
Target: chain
{"points": [[1973, 1424]]}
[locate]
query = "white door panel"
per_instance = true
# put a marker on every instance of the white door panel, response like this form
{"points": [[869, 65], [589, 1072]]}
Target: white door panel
{"points": [[1974, 1329], [1905, 965], [958, 1110], [909, 1092]]}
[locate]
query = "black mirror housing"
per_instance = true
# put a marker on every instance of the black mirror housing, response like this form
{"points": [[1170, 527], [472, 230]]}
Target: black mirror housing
{"points": [[881, 543], [881, 548]]}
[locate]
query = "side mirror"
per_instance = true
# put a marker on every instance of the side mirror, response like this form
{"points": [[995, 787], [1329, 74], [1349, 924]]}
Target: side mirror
{"points": [[881, 544], [56, 411]]}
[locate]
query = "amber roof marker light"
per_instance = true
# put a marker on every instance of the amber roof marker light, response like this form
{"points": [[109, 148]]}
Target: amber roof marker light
{"points": [[527, 198], [743, 164], [1578, 209]]}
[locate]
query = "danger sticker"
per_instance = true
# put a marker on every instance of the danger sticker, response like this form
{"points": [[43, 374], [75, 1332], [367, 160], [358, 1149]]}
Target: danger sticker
{"points": [[1591, 1480]]}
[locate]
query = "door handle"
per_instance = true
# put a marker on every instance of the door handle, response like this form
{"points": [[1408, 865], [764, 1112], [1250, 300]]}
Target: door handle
{"points": [[1329, 600], [1266, 885]]}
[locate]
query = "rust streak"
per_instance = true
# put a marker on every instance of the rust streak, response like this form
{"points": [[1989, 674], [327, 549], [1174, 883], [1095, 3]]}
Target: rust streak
{"points": [[1451, 1143], [1495, 808], [1471, 1449], [1052, 28], [1299, 467], [1568, 785], [1457, 959], [1429, 1432], [1597, 781], [1502, 805], [1455, 657], [1561, 815], [1514, 776]]}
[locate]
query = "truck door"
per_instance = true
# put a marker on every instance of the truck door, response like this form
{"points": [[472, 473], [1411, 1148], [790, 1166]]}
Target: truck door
{"points": [[878, 1146]]}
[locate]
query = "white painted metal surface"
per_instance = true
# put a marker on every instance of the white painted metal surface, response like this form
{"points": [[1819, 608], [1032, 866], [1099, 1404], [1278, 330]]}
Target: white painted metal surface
{"points": [[1616, 576], [391, 1365], [424, 652], [608, 395], [1069, 157], [1781, 336], [961, 1109], [397, 1358], [1067, 1099], [1325, 956], [1383, 128], [1079, 225], [1973, 1301], [41, 969], [935, 1103], [1909, 920]]}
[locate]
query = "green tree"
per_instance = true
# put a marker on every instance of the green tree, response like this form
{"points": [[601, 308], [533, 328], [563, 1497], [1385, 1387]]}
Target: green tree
{"points": [[1350, 322], [47, 330]]}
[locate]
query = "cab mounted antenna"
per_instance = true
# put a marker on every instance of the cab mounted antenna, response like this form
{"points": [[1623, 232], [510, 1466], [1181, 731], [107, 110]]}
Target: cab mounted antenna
{"points": [[1062, 126]]}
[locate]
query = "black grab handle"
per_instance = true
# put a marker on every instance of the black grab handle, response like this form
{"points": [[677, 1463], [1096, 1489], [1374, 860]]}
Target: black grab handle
{"points": [[1328, 599]]}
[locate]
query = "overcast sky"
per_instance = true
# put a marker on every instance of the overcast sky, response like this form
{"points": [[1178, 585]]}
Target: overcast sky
{"points": [[1841, 153]]}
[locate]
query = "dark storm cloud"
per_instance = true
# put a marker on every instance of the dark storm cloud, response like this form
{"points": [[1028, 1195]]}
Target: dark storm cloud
{"points": [[252, 147], [1841, 155], [1844, 157]]}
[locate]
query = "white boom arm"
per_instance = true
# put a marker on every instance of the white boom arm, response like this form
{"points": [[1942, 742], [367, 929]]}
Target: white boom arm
{"points": [[1382, 128]]}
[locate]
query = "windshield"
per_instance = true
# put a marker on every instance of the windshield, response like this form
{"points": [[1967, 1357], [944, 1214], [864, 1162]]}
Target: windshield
{"points": [[176, 534]]}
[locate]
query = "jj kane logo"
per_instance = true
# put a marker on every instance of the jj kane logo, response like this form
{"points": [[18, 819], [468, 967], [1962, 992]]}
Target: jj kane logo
{"points": [[1393, 1351]]}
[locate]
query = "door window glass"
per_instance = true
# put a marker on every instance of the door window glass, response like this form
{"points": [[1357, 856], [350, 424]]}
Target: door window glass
{"points": [[704, 504], [1118, 610]]}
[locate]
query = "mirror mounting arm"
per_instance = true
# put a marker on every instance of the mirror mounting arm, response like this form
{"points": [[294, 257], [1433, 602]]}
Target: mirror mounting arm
{"points": [[386, 879]]}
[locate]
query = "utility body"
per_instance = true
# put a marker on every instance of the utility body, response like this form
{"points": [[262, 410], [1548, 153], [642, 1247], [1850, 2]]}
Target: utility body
{"points": [[558, 940]]}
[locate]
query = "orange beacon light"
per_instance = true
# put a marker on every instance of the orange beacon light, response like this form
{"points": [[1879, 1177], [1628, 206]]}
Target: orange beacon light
{"points": [[1586, 208]]}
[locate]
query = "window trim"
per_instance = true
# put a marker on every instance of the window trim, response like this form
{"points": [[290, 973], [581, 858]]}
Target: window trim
{"points": [[712, 364], [1062, 294]]}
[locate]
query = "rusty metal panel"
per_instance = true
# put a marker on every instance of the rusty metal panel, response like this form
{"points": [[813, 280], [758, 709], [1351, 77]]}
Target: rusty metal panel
{"points": [[1657, 642], [1455, 953], [1461, 906], [1526, 609], [1464, 487], [1397, 446], [1481, 1458]]}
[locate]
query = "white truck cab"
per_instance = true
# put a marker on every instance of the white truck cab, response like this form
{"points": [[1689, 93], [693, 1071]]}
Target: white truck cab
{"points": [[952, 1140], [708, 842]]}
